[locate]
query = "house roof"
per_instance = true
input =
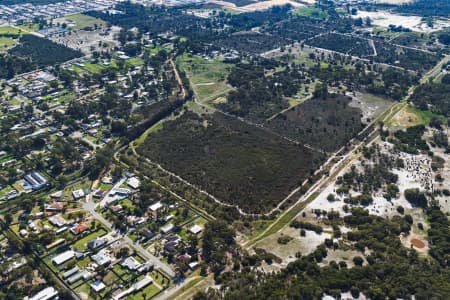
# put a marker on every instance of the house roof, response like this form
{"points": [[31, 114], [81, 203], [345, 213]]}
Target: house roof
{"points": [[63, 257], [195, 229], [79, 228], [98, 286], [156, 206]]}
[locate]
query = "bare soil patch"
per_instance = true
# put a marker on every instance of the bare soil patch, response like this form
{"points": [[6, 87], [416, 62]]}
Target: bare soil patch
{"points": [[418, 243]]}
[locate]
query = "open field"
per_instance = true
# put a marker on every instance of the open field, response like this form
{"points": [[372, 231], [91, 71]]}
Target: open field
{"points": [[80, 21], [228, 153], [9, 37], [85, 41], [10, 30], [384, 19], [286, 252], [312, 12], [262, 5], [248, 6], [370, 105], [410, 116], [6, 43], [208, 77]]}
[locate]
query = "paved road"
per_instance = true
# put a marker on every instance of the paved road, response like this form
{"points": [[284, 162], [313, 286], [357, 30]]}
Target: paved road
{"points": [[89, 205]]}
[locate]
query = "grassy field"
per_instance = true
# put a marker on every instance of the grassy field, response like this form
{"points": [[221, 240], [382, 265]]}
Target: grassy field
{"points": [[208, 77], [135, 61], [411, 116], [80, 245], [312, 12], [10, 30], [7, 42], [93, 68], [81, 21], [30, 27]]}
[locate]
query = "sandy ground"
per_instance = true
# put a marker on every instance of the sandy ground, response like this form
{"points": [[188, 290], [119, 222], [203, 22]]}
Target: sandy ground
{"points": [[384, 19], [305, 244], [416, 177], [84, 40], [404, 119], [259, 5], [370, 108], [417, 242], [444, 201]]}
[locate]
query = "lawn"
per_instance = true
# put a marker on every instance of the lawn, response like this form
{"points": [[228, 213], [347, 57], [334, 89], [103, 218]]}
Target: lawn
{"points": [[30, 27], [84, 185], [66, 97], [8, 37], [123, 273], [110, 278], [84, 289], [82, 21], [424, 116], [80, 245], [6, 43], [149, 291], [126, 203], [158, 278], [135, 61], [10, 30], [93, 68], [120, 271], [312, 12], [105, 186]]}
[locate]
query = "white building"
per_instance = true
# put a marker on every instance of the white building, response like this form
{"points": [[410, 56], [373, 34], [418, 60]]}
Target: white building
{"points": [[46, 294], [63, 257]]}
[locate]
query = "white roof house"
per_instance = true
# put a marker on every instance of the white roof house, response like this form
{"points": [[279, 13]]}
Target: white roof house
{"points": [[57, 220], [63, 257], [155, 207], [167, 228], [142, 283], [134, 182], [196, 229], [78, 194], [193, 265], [98, 286], [130, 263], [45, 294]]}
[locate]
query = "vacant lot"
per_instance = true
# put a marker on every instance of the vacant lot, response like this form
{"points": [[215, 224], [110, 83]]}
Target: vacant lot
{"points": [[237, 163], [88, 40], [208, 77], [80, 21], [8, 37]]}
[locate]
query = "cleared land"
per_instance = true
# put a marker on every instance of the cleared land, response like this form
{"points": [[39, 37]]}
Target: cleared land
{"points": [[238, 163], [80, 21], [208, 77]]}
